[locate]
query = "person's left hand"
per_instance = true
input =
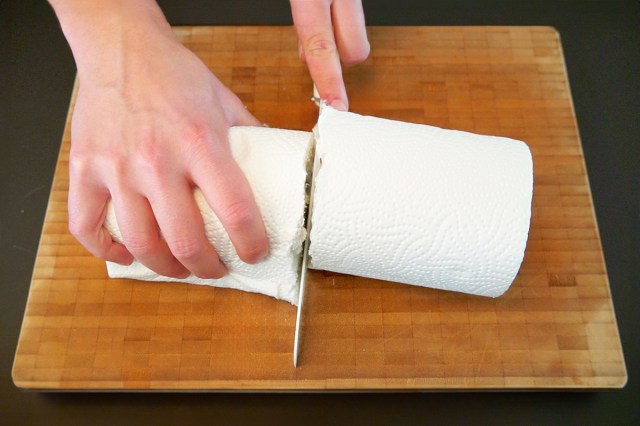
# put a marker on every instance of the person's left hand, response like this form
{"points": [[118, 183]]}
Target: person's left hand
{"points": [[331, 33]]}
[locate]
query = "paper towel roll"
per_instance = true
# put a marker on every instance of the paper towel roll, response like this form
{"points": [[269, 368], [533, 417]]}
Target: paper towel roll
{"points": [[418, 204], [274, 162]]}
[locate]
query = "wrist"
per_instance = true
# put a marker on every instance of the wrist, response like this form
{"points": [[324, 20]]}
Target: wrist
{"points": [[102, 34]]}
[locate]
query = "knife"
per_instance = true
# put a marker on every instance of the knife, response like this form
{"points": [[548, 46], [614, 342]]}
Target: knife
{"points": [[305, 252]]}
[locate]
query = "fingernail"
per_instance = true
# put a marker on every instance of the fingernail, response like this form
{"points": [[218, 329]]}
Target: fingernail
{"points": [[339, 105]]}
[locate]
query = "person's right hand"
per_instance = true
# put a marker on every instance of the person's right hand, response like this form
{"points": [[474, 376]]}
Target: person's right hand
{"points": [[331, 33], [150, 124]]}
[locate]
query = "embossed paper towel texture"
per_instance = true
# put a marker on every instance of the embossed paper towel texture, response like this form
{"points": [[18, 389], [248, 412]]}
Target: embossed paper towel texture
{"points": [[274, 162], [420, 205]]}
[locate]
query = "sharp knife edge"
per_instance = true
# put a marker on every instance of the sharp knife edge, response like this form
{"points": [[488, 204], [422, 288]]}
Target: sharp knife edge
{"points": [[305, 252], [303, 270]]}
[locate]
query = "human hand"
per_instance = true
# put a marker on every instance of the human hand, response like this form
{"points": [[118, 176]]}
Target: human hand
{"points": [[150, 124], [330, 32]]}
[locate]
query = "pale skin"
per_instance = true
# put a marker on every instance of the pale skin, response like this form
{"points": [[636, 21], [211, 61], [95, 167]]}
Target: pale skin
{"points": [[151, 123]]}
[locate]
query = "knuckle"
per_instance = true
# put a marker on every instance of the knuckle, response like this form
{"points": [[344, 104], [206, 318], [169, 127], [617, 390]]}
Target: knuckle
{"points": [[320, 45], [152, 156], [141, 246], [196, 131], [81, 146], [200, 146], [78, 227], [186, 249], [79, 166]]}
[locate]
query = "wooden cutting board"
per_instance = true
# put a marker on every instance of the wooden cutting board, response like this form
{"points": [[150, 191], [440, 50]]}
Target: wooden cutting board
{"points": [[555, 327]]}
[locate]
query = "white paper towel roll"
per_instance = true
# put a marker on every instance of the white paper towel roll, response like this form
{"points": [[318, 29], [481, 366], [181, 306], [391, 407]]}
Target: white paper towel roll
{"points": [[418, 204], [274, 162], [395, 201]]}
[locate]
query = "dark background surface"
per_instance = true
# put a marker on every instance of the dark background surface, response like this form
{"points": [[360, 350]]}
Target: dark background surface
{"points": [[601, 42]]}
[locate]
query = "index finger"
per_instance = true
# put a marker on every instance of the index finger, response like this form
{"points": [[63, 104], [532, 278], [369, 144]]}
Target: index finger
{"points": [[312, 19]]}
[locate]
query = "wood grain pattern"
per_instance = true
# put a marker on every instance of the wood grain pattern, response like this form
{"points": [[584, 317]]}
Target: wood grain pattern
{"points": [[555, 328]]}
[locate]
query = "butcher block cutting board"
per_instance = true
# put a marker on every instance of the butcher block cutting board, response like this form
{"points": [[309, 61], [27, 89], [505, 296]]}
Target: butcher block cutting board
{"points": [[555, 327]]}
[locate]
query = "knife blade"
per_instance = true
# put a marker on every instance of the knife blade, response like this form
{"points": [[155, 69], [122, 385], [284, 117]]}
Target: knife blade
{"points": [[305, 251], [303, 269]]}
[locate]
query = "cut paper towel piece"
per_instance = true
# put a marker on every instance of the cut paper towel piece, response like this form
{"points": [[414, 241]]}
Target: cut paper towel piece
{"points": [[418, 204], [274, 162]]}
